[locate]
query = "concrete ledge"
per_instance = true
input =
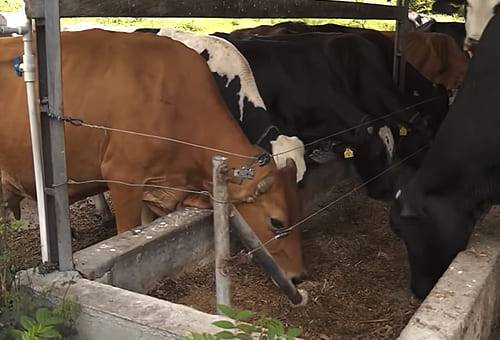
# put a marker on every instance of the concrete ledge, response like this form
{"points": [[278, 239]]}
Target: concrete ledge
{"points": [[113, 313], [464, 303], [178, 242], [137, 259]]}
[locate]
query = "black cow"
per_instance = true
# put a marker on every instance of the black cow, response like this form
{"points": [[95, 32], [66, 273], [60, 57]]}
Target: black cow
{"points": [[317, 84], [436, 210], [418, 89], [430, 100]]}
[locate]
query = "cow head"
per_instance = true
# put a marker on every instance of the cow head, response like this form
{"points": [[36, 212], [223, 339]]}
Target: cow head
{"points": [[434, 228], [270, 208], [372, 158], [477, 15]]}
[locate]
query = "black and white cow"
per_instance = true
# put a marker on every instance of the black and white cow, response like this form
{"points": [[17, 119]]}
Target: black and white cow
{"points": [[477, 15], [436, 210], [318, 84], [430, 100], [236, 83]]}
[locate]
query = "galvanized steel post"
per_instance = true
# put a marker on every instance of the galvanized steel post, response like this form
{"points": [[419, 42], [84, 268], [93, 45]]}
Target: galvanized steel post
{"points": [[221, 230], [53, 142]]}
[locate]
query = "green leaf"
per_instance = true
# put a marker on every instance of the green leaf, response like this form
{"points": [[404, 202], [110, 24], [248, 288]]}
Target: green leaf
{"points": [[227, 311], [243, 336], [27, 336], [49, 333], [271, 331], [249, 329], [224, 335], [196, 336], [244, 315], [42, 314], [279, 327], [224, 324], [26, 322], [293, 332]]}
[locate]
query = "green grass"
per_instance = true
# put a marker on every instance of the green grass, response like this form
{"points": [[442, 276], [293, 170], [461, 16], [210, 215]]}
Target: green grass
{"points": [[205, 26]]}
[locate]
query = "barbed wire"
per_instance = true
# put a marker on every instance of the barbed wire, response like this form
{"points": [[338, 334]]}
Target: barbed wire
{"points": [[319, 211], [146, 185], [79, 122], [363, 124]]}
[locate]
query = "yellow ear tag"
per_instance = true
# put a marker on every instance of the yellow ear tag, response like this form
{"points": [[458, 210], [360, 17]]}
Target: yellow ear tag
{"points": [[348, 153], [403, 131]]}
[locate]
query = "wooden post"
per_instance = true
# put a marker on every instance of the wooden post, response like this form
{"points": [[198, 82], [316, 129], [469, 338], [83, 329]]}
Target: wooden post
{"points": [[54, 160], [217, 9], [298, 297], [221, 230], [399, 66]]}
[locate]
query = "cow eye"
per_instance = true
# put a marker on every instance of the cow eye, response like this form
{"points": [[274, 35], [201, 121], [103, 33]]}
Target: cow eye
{"points": [[278, 228]]}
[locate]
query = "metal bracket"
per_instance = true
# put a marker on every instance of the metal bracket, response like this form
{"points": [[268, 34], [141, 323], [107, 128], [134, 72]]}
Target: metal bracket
{"points": [[244, 172]]}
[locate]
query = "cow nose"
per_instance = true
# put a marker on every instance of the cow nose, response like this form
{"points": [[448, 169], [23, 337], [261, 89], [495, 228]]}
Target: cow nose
{"points": [[298, 279], [470, 45]]}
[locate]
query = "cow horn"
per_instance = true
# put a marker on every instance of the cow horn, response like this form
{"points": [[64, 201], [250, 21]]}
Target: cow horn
{"points": [[264, 185]]}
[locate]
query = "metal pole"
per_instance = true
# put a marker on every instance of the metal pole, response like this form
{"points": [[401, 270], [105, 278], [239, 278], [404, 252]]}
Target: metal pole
{"points": [[53, 142], [399, 65], [397, 44], [403, 31], [298, 297], [28, 69], [221, 230]]}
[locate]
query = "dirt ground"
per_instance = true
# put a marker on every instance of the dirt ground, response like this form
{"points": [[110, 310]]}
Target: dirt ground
{"points": [[358, 284], [86, 229]]}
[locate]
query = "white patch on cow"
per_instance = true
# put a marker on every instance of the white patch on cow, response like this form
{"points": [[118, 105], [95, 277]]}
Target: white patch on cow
{"points": [[386, 135], [225, 60], [289, 147], [13, 19], [479, 13], [398, 194]]}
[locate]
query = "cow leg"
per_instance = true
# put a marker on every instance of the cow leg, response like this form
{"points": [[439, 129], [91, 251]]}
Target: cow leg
{"points": [[127, 203], [147, 215], [102, 207]]}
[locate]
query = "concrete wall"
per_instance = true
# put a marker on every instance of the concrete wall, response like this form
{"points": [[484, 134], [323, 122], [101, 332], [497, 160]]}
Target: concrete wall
{"points": [[464, 303], [137, 259], [113, 313]]}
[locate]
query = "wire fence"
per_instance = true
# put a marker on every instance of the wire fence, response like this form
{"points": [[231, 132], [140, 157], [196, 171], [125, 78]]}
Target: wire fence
{"points": [[79, 122]]}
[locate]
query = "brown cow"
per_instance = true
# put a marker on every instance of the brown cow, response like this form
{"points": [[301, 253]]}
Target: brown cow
{"points": [[155, 86], [437, 56]]}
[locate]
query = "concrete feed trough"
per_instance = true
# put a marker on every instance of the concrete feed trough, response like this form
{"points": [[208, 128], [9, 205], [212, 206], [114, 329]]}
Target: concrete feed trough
{"points": [[113, 276]]}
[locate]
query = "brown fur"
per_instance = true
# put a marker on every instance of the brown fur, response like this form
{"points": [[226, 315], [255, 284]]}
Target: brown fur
{"points": [[155, 86], [437, 56]]}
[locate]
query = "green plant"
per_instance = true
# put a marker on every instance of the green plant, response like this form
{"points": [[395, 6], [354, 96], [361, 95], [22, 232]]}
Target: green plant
{"points": [[42, 327], [247, 326], [21, 318]]}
